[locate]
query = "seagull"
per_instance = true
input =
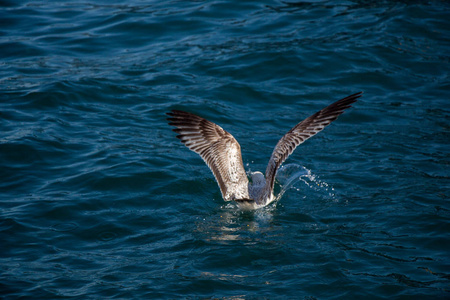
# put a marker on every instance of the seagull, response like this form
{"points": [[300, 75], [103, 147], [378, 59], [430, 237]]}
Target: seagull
{"points": [[222, 153]]}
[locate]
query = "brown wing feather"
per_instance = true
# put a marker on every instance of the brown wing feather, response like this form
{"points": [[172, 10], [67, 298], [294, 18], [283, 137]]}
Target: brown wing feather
{"points": [[300, 133], [218, 148]]}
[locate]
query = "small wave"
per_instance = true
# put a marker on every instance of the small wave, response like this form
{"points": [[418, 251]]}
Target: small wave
{"points": [[291, 175]]}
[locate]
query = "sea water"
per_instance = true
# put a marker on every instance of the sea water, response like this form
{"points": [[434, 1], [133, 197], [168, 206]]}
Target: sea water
{"points": [[98, 199]]}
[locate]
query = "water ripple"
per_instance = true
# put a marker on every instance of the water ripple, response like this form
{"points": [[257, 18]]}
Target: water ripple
{"points": [[99, 200]]}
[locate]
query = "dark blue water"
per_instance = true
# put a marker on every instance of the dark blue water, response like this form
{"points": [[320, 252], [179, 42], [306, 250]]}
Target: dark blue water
{"points": [[98, 199]]}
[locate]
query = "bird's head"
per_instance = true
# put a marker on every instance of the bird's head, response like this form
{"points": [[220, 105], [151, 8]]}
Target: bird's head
{"points": [[258, 178]]}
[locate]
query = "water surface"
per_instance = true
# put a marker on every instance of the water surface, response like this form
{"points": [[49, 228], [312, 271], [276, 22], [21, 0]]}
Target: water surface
{"points": [[100, 200]]}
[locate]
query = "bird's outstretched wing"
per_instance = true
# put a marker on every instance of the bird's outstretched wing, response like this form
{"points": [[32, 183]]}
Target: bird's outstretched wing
{"points": [[218, 148], [300, 133]]}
